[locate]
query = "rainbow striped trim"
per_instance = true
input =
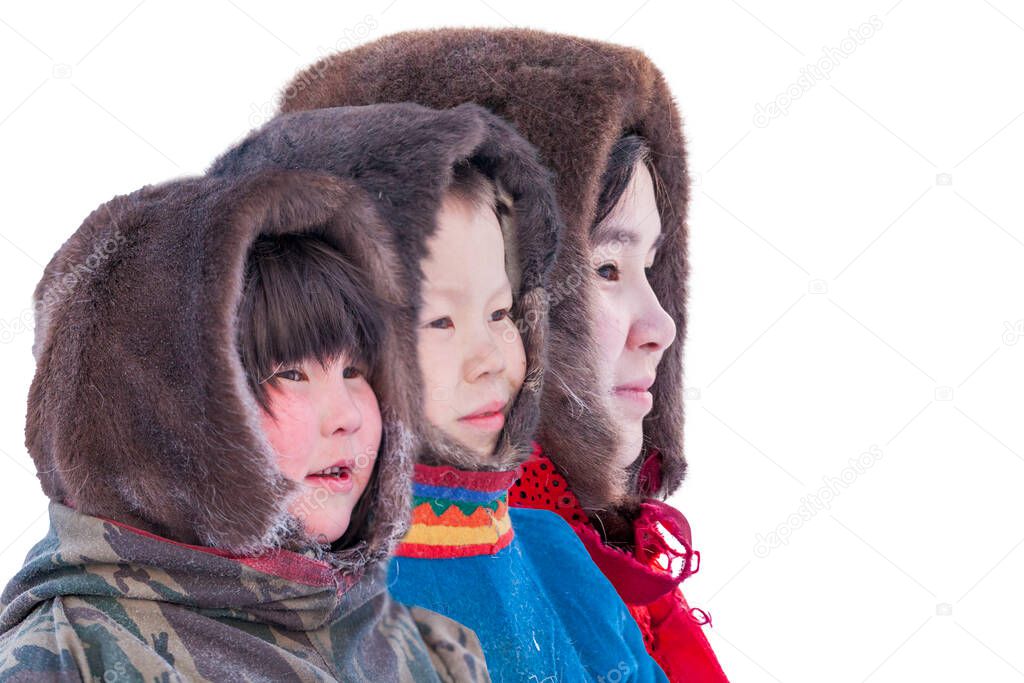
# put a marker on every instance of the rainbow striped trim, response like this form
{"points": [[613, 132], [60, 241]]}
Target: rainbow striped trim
{"points": [[456, 513]]}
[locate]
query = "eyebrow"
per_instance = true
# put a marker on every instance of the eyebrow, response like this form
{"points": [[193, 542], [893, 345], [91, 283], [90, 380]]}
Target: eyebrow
{"points": [[452, 293], [606, 234]]}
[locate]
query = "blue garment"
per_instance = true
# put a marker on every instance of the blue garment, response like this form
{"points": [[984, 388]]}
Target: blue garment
{"points": [[542, 610]]}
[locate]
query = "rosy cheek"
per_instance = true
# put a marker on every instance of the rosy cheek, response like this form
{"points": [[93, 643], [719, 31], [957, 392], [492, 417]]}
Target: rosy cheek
{"points": [[372, 421], [289, 435]]}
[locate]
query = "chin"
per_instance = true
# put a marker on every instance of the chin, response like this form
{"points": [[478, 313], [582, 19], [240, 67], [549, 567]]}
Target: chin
{"points": [[332, 522], [631, 443], [328, 533], [473, 441], [483, 451]]}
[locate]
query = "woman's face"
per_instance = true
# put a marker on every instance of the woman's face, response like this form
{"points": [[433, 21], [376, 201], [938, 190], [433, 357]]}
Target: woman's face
{"points": [[470, 351], [631, 328], [326, 431]]}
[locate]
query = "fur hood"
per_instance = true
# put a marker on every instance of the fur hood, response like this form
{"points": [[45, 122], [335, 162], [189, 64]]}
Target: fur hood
{"points": [[402, 155], [571, 98], [139, 410]]}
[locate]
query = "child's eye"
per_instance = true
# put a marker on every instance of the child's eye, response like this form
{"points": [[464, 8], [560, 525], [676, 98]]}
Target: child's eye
{"points": [[444, 323], [608, 271], [352, 372], [291, 375]]}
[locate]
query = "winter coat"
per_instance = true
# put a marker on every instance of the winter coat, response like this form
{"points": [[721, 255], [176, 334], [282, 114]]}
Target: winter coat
{"points": [[172, 554], [541, 608], [100, 600], [572, 98]]}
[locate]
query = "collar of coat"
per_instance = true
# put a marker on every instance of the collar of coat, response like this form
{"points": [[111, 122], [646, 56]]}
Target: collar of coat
{"points": [[660, 557], [92, 556], [458, 513]]}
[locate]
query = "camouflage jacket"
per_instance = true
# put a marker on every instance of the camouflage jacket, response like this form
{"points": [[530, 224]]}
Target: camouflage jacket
{"points": [[100, 601]]}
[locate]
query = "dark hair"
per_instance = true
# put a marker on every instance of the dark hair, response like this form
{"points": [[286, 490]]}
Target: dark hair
{"points": [[472, 184], [302, 299], [627, 152]]}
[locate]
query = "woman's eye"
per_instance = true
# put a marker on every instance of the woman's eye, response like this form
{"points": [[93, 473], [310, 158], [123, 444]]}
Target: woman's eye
{"points": [[608, 271], [499, 315], [441, 323], [351, 372], [291, 375]]}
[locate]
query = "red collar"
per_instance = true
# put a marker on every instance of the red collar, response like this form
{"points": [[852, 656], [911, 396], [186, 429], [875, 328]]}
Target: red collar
{"points": [[662, 555], [285, 564]]}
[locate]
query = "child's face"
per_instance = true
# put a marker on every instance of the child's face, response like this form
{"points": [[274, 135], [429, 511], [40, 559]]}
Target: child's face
{"points": [[470, 351], [324, 419], [631, 328]]}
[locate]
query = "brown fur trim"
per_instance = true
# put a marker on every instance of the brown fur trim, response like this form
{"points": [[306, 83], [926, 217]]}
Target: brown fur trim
{"points": [[402, 155], [139, 410], [572, 98]]}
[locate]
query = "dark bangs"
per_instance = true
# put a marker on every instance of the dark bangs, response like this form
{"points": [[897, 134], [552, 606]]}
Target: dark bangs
{"points": [[618, 173], [301, 300]]}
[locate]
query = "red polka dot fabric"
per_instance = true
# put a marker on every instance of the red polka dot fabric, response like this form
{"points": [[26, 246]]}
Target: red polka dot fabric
{"points": [[541, 487]]}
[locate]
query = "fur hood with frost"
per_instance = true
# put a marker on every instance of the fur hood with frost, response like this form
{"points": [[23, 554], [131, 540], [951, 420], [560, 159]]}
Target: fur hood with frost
{"points": [[139, 410]]}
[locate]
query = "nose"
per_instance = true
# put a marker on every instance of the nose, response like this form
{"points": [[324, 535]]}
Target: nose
{"points": [[484, 356], [341, 412], [652, 329]]}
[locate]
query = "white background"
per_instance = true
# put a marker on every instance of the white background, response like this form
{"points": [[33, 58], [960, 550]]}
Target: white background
{"points": [[857, 283]]}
